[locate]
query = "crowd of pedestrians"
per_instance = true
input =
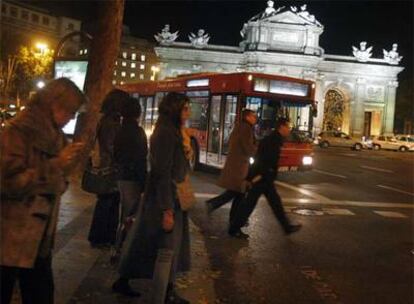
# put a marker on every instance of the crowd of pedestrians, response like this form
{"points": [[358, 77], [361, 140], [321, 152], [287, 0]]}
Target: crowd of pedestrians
{"points": [[140, 214]]}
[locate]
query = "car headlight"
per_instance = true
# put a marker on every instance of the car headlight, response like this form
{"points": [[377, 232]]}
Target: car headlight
{"points": [[307, 160], [251, 160]]}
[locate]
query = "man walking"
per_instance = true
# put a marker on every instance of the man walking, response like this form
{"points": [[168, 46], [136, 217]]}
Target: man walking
{"points": [[262, 176], [242, 146]]}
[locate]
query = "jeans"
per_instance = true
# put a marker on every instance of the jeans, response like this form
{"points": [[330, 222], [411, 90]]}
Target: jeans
{"points": [[168, 254], [130, 192], [267, 188], [226, 197], [36, 284]]}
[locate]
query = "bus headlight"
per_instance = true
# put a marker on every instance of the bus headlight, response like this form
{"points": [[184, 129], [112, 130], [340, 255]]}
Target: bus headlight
{"points": [[307, 160], [251, 160]]}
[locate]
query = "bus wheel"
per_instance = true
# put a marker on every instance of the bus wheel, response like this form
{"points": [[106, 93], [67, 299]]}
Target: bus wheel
{"points": [[358, 147], [377, 147], [194, 161]]}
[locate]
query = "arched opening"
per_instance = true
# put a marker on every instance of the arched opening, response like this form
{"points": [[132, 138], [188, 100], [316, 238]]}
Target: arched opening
{"points": [[336, 111]]}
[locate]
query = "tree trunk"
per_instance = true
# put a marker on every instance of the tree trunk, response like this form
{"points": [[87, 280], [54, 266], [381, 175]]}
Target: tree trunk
{"points": [[102, 57]]}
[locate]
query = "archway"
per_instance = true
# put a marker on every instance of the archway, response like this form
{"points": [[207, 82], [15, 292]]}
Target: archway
{"points": [[336, 111]]}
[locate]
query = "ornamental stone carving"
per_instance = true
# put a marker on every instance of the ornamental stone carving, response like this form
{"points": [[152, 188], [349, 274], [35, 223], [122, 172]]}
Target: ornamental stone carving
{"points": [[200, 40], [363, 53], [166, 37], [392, 57]]}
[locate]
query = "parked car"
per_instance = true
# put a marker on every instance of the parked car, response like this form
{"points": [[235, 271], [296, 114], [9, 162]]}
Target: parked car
{"points": [[398, 143], [327, 139]]}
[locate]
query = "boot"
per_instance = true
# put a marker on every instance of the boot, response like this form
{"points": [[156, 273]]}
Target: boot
{"points": [[173, 297]]}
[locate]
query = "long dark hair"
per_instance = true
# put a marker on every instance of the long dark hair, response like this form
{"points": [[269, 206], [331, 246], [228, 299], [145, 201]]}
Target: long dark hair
{"points": [[171, 107], [114, 102]]}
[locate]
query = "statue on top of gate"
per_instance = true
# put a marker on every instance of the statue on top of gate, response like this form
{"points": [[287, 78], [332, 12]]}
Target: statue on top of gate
{"points": [[166, 37], [200, 40], [392, 57], [363, 53]]}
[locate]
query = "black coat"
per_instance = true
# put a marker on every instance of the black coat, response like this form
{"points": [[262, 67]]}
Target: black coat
{"points": [[267, 157], [130, 152]]}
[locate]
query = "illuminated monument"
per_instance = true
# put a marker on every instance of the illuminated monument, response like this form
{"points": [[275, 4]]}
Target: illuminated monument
{"points": [[285, 41]]}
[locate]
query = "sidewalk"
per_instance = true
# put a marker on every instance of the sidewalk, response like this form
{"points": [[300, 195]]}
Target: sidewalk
{"points": [[84, 275]]}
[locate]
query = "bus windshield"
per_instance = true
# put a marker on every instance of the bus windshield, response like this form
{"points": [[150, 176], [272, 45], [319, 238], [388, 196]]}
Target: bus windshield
{"points": [[270, 110]]}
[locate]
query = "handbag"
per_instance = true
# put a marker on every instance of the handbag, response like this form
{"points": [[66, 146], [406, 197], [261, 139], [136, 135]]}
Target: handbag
{"points": [[185, 194], [99, 180]]}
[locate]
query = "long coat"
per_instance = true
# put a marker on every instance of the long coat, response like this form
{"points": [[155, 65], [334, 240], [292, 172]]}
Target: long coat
{"points": [[242, 146], [31, 186], [168, 166]]}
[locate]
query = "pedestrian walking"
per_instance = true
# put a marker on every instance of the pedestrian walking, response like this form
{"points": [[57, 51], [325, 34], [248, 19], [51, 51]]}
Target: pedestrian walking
{"points": [[105, 217], [242, 146], [158, 244], [261, 176], [130, 155], [35, 161]]}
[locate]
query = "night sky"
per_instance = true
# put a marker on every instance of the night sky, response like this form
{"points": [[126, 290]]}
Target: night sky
{"points": [[346, 23]]}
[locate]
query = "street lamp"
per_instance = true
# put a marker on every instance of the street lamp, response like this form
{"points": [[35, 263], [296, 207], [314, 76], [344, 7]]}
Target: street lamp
{"points": [[40, 84], [42, 47]]}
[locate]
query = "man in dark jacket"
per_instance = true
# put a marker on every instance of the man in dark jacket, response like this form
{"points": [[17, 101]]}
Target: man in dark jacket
{"points": [[242, 146], [261, 176]]}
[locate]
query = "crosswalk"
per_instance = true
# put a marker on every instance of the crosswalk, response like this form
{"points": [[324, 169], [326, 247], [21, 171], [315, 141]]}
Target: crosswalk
{"points": [[293, 204]]}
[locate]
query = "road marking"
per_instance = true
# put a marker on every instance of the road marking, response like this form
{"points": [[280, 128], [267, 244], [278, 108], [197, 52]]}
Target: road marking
{"points": [[396, 190], [328, 173], [391, 214], [377, 169], [293, 200], [321, 198], [336, 211], [348, 154]]}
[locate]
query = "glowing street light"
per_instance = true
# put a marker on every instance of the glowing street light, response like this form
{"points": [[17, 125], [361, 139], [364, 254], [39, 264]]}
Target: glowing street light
{"points": [[40, 84], [42, 47], [155, 69]]}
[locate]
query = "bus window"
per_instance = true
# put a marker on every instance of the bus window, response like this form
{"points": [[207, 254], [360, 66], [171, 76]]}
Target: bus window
{"points": [[214, 134], [148, 114], [158, 97], [143, 104], [229, 120]]}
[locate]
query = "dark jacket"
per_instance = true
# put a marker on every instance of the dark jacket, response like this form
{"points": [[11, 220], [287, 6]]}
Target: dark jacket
{"points": [[168, 165], [242, 146], [130, 152], [107, 129], [267, 157], [31, 186]]}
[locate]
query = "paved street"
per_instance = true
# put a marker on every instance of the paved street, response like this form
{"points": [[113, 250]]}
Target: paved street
{"points": [[357, 248]]}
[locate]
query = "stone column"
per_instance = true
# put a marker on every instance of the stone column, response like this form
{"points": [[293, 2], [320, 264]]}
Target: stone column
{"points": [[319, 89], [389, 109], [357, 111]]}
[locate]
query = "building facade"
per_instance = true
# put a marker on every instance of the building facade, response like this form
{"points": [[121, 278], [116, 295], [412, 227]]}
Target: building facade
{"points": [[23, 24], [355, 94]]}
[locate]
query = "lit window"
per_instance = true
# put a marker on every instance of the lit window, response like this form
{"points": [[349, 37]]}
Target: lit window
{"points": [[124, 55], [123, 63], [132, 75], [123, 74], [116, 62], [122, 82], [45, 21], [114, 73], [142, 66], [114, 82], [134, 56], [133, 65], [142, 57], [141, 76], [86, 51], [25, 15], [35, 18], [13, 11], [81, 52]]}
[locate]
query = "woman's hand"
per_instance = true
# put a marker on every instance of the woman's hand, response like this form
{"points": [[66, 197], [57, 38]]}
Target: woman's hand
{"points": [[168, 220]]}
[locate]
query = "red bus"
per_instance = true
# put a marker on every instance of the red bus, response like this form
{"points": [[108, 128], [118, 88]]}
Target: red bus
{"points": [[216, 102]]}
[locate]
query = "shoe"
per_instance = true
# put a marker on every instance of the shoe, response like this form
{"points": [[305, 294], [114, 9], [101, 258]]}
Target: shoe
{"points": [[173, 297], [121, 286], [293, 228], [246, 224], [238, 234]]}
